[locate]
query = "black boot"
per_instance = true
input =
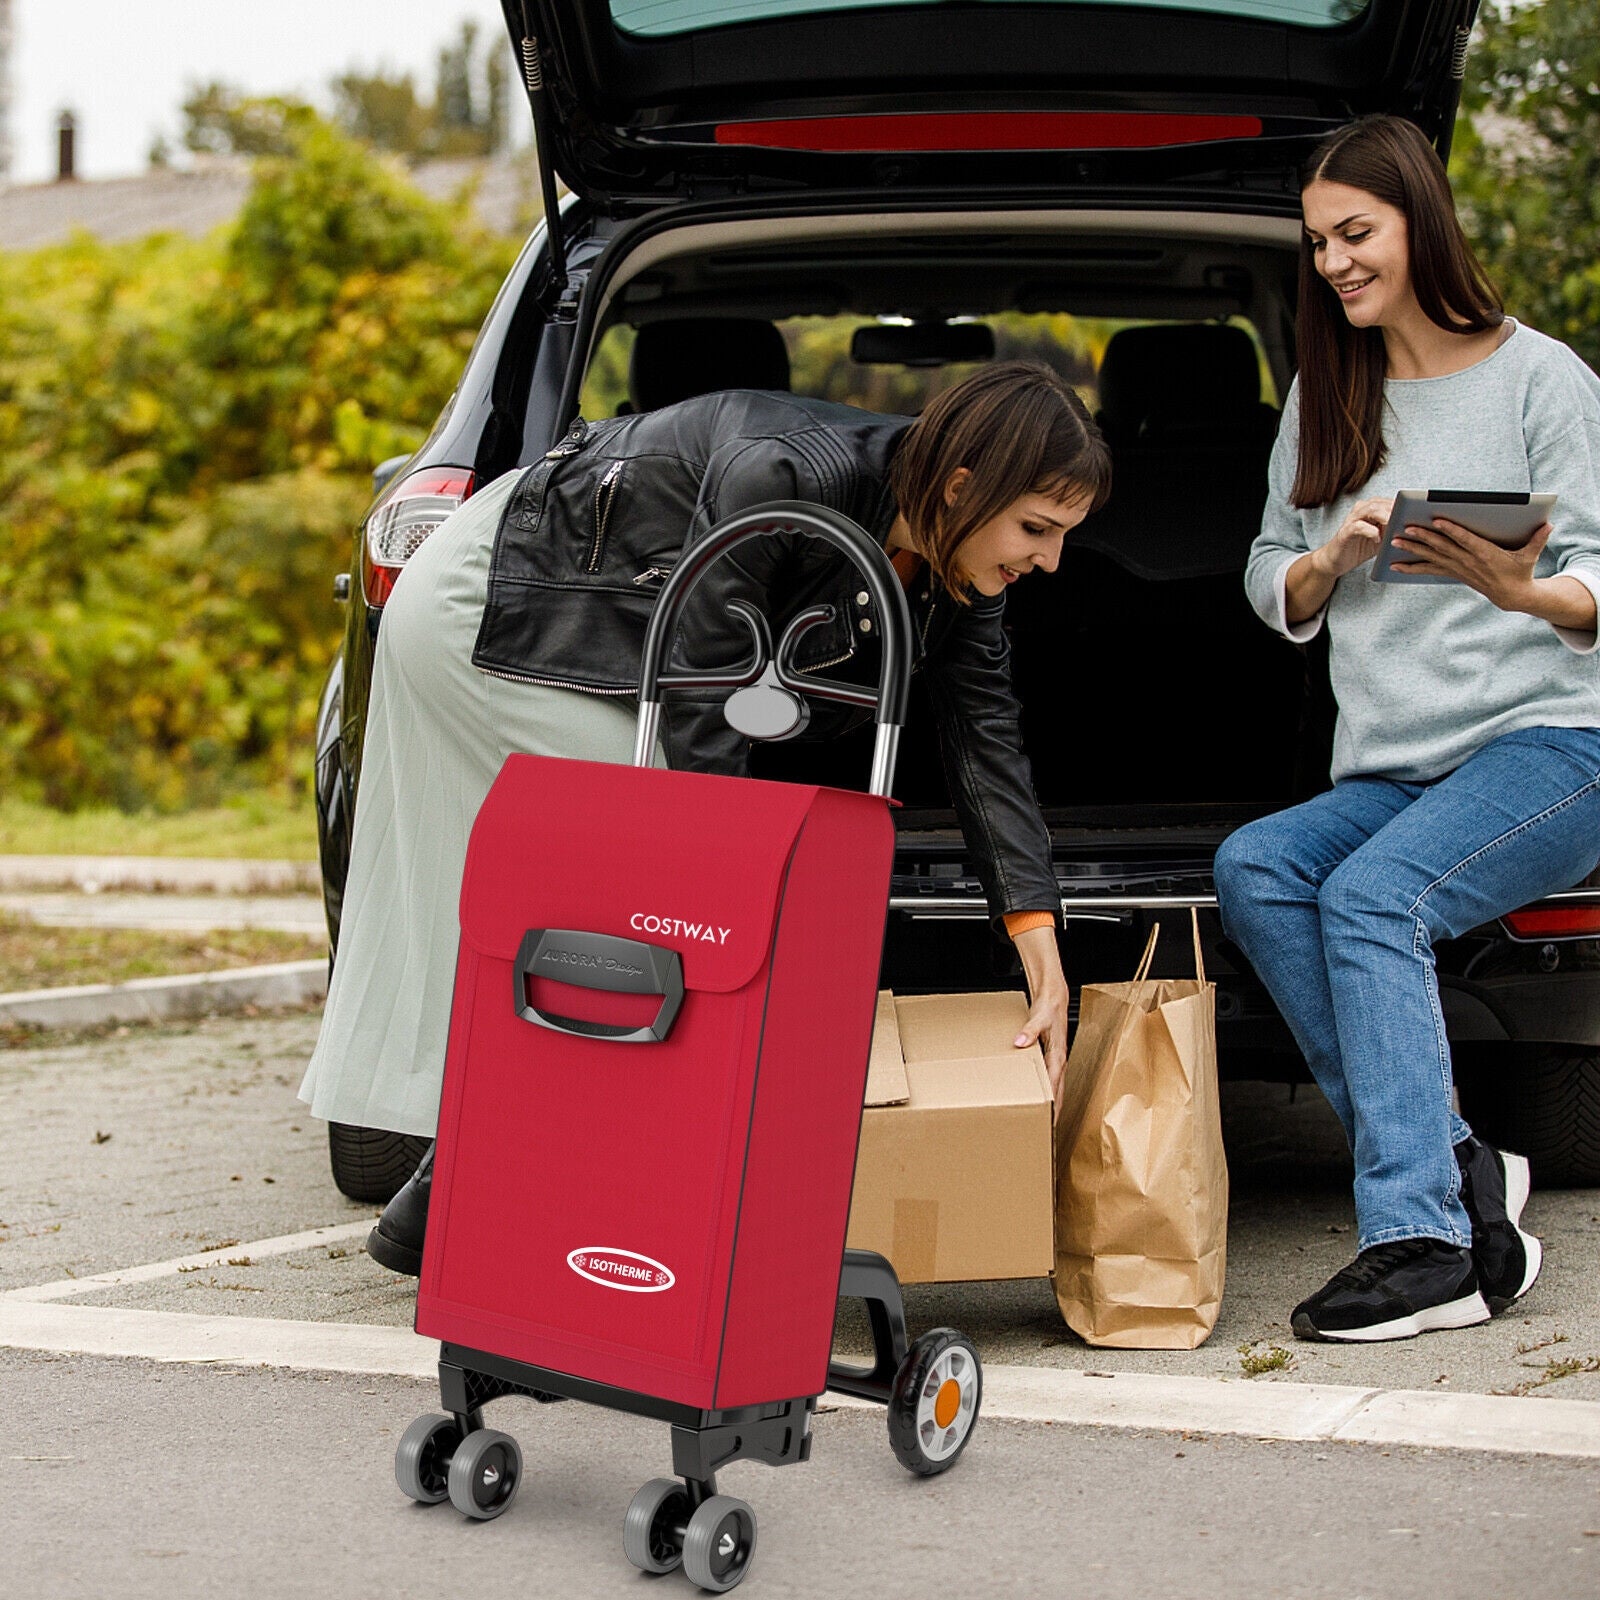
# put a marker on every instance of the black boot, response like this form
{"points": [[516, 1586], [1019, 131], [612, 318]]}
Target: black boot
{"points": [[396, 1242]]}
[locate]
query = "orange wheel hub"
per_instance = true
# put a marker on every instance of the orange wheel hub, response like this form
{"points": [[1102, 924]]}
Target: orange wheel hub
{"points": [[947, 1402]]}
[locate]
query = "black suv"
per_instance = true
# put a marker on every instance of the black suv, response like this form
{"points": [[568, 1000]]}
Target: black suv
{"points": [[859, 200]]}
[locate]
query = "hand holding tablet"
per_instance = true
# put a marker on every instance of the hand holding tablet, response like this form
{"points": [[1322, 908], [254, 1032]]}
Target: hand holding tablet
{"points": [[1507, 520]]}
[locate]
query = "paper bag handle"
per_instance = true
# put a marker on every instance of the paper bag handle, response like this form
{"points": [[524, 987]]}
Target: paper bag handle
{"points": [[1149, 955]]}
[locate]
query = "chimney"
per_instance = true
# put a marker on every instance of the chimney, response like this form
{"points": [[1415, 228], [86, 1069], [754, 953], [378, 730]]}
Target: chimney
{"points": [[66, 153]]}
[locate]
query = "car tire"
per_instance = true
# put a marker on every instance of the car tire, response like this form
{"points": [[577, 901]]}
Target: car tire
{"points": [[1540, 1100], [371, 1164]]}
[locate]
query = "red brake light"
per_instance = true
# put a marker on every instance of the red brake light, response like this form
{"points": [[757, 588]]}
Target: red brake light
{"points": [[990, 130], [1553, 922], [403, 519]]}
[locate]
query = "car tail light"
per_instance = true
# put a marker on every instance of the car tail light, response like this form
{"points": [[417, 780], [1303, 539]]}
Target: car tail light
{"points": [[1553, 922], [403, 519]]}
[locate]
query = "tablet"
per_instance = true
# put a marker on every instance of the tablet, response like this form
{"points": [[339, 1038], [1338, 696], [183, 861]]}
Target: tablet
{"points": [[1509, 520]]}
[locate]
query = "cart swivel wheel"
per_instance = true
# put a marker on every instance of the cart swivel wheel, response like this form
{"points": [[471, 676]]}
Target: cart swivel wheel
{"points": [[719, 1543], [422, 1458], [484, 1473], [937, 1392], [652, 1531]]}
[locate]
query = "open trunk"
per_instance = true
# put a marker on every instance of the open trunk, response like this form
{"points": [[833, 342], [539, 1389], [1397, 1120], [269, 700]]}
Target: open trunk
{"points": [[1159, 711]]}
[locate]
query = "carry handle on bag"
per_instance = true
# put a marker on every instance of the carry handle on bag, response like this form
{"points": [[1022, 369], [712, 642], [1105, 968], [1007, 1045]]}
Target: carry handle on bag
{"points": [[769, 696], [598, 961]]}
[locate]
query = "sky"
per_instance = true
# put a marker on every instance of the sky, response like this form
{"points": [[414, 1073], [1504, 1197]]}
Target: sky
{"points": [[124, 66]]}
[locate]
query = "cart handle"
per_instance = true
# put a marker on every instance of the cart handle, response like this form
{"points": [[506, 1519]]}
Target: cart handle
{"points": [[598, 961], [766, 521]]}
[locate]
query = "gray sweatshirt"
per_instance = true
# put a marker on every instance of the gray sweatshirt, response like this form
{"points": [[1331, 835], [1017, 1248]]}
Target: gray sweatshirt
{"points": [[1427, 674]]}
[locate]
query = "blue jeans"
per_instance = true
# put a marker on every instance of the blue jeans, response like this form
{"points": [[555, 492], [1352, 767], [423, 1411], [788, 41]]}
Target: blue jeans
{"points": [[1338, 902]]}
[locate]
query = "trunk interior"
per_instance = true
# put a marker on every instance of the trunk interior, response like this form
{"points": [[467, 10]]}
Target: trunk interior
{"points": [[1159, 712]]}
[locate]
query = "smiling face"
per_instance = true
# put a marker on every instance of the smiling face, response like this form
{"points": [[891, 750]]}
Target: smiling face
{"points": [[1025, 537], [1361, 247]]}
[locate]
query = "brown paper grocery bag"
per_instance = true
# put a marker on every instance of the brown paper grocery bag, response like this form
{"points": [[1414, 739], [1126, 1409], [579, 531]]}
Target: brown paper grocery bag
{"points": [[1141, 1181]]}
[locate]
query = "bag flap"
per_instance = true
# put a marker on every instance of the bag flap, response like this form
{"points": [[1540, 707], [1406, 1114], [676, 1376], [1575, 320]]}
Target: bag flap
{"points": [[886, 1068], [690, 861]]}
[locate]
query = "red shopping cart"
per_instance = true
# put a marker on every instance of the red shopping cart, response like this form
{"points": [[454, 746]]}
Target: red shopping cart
{"points": [[653, 1094]]}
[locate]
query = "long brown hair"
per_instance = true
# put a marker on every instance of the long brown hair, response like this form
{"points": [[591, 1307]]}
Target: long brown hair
{"points": [[1019, 428], [1342, 367]]}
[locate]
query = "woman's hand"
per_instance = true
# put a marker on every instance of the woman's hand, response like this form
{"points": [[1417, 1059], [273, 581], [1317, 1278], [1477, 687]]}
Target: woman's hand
{"points": [[1046, 1024], [1356, 541], [1447, 550], [1311, 579], [1503, 577]]}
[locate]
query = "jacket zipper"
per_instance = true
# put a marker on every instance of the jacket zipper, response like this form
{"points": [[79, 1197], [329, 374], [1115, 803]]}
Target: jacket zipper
{"points": [[818, 666], [652, 575], [605, 495], [551, 683]]}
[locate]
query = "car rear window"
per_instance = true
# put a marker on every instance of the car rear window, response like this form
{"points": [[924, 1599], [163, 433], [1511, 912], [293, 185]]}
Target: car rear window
{"points": [[821, 365], [659, 18]]}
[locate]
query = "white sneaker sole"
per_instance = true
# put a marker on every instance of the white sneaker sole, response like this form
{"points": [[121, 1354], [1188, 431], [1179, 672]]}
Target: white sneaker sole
{"points": [[1519, 1184], [1463, 1313]]}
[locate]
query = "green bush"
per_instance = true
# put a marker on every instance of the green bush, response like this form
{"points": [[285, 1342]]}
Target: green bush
{"points": [[186, 432]]}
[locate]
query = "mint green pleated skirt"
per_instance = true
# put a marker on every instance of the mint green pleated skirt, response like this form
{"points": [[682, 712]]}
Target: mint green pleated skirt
{"points": [[437, 733]]}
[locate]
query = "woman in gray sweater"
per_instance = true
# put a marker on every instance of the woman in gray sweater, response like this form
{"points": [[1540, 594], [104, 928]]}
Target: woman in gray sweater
{"points": [[1466, 763]]}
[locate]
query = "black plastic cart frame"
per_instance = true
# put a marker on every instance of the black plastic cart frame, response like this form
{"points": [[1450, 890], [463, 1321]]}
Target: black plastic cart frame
{"points": [[703, 1442]]}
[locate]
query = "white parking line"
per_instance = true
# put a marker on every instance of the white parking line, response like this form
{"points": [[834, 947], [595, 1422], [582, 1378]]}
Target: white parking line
{"points": [[285, 1244], [1293, 1411]]}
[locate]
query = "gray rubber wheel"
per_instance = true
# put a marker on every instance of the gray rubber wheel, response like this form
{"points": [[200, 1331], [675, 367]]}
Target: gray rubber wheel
{"points": [[422, 1459], [484, 1473], [650, 1538], [371, 1164], [720, 1543], [937, 1393]]}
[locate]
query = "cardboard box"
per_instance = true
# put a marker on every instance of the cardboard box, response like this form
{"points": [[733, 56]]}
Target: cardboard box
{"points": [[953, 1178]]}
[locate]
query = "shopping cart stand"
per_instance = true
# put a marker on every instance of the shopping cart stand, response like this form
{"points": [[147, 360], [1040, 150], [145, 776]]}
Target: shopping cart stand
{"points": [[653, 1094]]}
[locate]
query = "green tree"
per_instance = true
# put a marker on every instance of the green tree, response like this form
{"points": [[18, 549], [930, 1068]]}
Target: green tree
{"points": [[1526, 163], [384, 111], [219, 120], [466, 117]]}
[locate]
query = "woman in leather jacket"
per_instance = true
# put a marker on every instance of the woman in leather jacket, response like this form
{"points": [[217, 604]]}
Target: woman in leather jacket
{"points": [[519, 626]]}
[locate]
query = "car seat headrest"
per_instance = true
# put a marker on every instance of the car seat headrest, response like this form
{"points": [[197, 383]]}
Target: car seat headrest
{"points": [[678, 359], [1182, 375]]}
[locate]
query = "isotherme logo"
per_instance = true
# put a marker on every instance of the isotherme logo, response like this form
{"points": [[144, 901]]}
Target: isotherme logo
{"points": [[705, 932], [621, 1269]]}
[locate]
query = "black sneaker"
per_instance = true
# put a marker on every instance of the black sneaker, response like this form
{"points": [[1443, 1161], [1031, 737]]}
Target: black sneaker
{"points": [[1395, 1291], [1494, 1189]]}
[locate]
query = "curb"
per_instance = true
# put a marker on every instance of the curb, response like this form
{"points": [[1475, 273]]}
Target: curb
{"points": [[158, 874], [287, 983], [1312, 1413]]}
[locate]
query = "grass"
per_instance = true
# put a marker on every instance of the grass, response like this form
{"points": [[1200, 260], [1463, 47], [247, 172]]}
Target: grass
{"points": [[1253, 1362], [255, 827], [35, 957], [1552, 1371]]}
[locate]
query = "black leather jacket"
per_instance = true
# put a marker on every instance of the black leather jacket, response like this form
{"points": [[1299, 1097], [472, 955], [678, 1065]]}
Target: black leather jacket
{"points": [[590, 532]]}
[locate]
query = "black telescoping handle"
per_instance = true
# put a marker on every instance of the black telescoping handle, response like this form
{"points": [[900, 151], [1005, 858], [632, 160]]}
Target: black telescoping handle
{"points": [[598, 961], [768, 521]]}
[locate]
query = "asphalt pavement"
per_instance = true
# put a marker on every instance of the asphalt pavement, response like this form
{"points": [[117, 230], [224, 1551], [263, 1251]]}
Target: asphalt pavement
{"points": [[127, 1480], [148, 1147]]}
